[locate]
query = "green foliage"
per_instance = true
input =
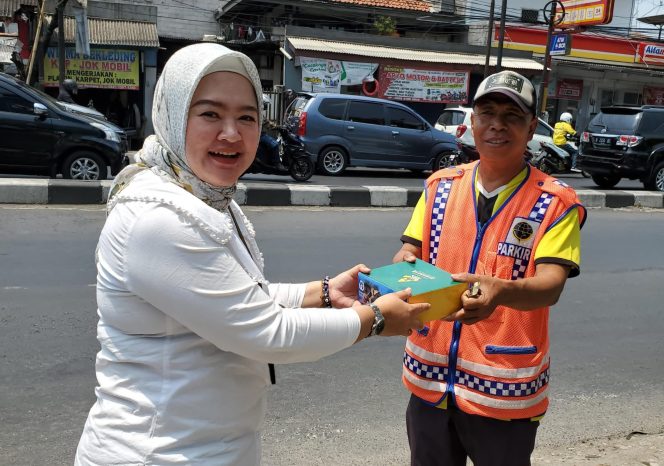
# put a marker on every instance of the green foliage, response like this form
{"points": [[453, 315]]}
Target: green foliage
{"points": [[385, 25]]}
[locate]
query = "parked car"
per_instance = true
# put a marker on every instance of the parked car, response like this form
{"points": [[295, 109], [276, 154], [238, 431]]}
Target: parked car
{"points": [[456, 121], [625, 142], [340, 131], [39, 135]]}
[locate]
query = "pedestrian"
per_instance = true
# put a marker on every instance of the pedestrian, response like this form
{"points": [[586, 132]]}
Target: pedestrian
{"points": [[479, 378], [68, 89], [562, 132], [187, 321]]}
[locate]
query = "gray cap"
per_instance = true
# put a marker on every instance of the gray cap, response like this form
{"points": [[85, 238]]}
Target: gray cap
{"points": [[512, 85]]}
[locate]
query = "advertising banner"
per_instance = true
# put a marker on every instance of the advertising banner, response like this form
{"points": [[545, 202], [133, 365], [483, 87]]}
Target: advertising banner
{"points": [[322, 75], [650, 54], [406, 84], [585, 13], [103, 68], [653, 95], [570, 89]]}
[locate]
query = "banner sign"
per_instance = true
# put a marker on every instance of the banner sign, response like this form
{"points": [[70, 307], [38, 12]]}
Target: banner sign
{"points": [[406, 84], [561, 44], [322, 75], [651, 54], [103, 68], [585, 13], [570, 89], [653, 95]]}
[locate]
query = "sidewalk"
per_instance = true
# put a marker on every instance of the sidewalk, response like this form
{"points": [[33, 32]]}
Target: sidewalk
{"points": [[59, 191]]}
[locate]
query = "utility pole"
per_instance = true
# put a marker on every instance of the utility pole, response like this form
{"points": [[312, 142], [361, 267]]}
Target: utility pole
{"points": [[501, 37], [544, 87], [489, 39]]}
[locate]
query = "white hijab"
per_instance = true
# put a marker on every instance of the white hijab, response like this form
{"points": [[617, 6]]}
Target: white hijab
{"points": [[164, 152]]}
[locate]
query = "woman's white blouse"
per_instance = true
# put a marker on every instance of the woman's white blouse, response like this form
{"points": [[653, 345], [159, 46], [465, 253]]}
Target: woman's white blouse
{"points": [[186, 333]]}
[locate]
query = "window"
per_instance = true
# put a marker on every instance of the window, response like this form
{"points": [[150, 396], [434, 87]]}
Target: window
{"points": [[366, 112], [10, 102], [631, 98], [402, 119], [333, 108], [542, 130], [451, 118]]}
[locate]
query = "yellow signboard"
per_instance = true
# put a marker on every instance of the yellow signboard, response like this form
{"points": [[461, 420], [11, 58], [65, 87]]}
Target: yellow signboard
{"points": [[103, 68]]}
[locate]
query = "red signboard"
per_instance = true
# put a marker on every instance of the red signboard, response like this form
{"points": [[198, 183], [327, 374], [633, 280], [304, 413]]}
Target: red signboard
{"points": [[569, 89], [585, 13], [650, 54], [653, 95]]}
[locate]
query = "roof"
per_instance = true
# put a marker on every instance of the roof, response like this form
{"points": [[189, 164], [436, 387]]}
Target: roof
{"points": [[9, 7], [430, 56], [114, 32], [415, 5]]}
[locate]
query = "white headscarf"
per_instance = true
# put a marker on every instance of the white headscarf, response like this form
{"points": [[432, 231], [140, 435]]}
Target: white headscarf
{"points": [[164, 153]]}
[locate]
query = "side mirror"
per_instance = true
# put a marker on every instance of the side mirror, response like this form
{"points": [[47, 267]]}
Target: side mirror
{"points": [[39, 109]]}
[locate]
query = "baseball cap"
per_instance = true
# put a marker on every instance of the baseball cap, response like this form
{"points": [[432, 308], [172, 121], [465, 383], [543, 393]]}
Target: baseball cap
{"points": [[512, 85]]}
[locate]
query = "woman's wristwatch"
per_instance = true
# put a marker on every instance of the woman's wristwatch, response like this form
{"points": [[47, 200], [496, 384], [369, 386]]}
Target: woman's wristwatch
{"points": [[379, 321]]}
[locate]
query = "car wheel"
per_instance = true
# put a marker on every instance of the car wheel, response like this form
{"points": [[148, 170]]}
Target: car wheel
{"points": [[656, 181], [445, 160], [84, 165], [606, 181], [332, 161]]}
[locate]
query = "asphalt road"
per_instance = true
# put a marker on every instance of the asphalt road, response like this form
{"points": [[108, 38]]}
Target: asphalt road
{"points": [[348, 408]]}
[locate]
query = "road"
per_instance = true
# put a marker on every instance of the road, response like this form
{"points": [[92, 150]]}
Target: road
{"points": [[348, 408]]}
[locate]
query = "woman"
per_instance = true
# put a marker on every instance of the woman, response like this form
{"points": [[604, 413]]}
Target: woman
{"points": [[187, 322]]}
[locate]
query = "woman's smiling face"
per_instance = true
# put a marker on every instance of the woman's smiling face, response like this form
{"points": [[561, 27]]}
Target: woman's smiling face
{"points": [[222, 128]]}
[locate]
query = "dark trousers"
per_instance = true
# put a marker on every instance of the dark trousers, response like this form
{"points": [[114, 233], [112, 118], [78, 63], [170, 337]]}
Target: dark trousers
{"points": [[445, 437]]}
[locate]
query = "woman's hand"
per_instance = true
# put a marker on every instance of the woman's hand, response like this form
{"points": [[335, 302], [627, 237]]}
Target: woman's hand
{"points": [[343, 287], [400, 316]]}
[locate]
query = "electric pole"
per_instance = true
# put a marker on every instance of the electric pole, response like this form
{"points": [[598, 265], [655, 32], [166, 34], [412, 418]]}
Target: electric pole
{"points": [[501, 37], [489, 39]]}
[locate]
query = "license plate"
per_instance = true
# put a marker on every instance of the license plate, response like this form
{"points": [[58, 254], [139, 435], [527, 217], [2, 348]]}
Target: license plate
{"points": [[602, 141]]}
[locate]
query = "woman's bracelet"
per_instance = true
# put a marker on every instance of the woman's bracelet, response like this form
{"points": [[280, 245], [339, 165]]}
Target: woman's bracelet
{"points": [[325, 297]]}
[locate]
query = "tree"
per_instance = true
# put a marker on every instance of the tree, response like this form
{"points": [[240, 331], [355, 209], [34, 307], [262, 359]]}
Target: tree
{"points": [[385, 25]]}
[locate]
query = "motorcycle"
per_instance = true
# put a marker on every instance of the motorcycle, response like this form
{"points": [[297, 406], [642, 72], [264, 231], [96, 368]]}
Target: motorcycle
{"points": [[284, 155], [553, 159]]}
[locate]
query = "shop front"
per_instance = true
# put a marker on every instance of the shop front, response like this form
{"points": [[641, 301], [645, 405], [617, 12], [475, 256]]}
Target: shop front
{"points": [[425, 80]]}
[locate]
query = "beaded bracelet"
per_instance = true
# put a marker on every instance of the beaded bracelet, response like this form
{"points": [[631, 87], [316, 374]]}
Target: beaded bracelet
{"points": [[325, 297]]}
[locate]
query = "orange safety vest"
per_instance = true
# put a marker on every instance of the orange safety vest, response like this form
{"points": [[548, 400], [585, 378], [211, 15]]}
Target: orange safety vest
{"points": [[498, 367]]}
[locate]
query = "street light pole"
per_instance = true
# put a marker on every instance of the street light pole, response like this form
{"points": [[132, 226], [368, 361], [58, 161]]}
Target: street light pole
{"points": [[544, 87], [501, 37], [489, 39]]}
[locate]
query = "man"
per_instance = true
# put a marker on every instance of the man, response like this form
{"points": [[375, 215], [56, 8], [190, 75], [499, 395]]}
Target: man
{"points": [[68, 90], [479, 378], [560, 132]]}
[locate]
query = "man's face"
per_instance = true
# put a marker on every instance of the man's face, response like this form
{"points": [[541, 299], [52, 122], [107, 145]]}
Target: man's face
{"points": [[500, 128]]}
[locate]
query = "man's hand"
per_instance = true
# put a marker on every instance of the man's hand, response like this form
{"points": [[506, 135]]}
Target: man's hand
{"points": [[343, 287], [479, 307], [407, 253]]}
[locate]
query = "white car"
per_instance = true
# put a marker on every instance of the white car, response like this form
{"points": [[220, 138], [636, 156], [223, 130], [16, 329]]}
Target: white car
{"points": [[456, 121]]}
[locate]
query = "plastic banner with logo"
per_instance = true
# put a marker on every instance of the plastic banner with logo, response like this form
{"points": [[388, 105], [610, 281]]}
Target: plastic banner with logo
{"points": [[650, 54], [103, 68], [570, 89], [416, 85], [322, 75], [653, 95]]}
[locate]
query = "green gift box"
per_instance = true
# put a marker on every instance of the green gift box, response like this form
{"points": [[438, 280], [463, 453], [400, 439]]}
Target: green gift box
{"points": [[429, 284]]}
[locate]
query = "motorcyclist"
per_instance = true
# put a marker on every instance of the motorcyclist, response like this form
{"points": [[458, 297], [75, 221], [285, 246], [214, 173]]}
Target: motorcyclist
{"points": [[561, 131], [268, 147], [68, 89]]}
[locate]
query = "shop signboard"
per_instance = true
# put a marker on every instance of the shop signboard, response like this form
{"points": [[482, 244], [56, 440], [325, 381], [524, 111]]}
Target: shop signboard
{"points": [[650, 54], [585, 13], [323, 75], [653, 95], [561, 44], [102, 69], [417, 85], [570, 89]]}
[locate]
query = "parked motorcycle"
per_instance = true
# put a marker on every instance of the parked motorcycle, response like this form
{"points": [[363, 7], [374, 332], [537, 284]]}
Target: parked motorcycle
{"points": [[553, 159], [284, 155]]}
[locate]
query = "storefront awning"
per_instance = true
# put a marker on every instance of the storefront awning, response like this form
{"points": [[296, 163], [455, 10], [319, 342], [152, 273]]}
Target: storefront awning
{"points": [[305, 44], [115, 32], [9, 7]]}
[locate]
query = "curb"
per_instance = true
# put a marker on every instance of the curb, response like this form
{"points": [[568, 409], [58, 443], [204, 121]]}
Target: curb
{"points": [[49, 191]]}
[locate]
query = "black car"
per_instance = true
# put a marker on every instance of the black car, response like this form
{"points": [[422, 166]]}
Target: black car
{"points": [[625, 142], [38, 135]]}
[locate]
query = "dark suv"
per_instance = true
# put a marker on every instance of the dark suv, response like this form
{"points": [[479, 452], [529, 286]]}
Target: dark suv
{"points": [[40, 135], [341, 130], [625, 142]]}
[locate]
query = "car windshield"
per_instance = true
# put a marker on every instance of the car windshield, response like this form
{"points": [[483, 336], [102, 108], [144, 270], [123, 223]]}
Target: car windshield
{"points": [[615, 122]]}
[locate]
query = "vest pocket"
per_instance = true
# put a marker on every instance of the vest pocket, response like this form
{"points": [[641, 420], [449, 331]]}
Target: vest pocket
{"points": [[495, 349]]}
